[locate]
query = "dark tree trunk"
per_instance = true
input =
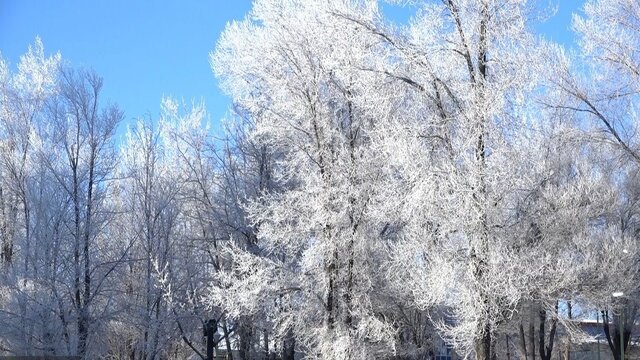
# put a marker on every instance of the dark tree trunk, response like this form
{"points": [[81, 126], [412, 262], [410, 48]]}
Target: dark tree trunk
{"points": [[484, 344], [288, 347], [246, 335], [210, 328], [523, 342], [532, 338], [546, 350], [227, 339], [614, 342]]}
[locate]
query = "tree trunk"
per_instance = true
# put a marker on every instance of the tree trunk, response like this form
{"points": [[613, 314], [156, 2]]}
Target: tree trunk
{"points": [[227, 339], [288, 347], [79, 303], [614, 343], [483, 344], [266, 344], [209, 328], [246, 335], [85, 250], [567, 351], [523, 342], [532, 338], [546, 351]]}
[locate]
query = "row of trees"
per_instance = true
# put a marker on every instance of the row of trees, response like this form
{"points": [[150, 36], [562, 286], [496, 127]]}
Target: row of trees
{"points": [[459, 169], [106, 244], [377, 189]]}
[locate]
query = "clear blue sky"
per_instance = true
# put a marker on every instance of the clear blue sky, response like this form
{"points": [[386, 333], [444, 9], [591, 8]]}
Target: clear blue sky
{"points": [[142, 49], [147, 49]]}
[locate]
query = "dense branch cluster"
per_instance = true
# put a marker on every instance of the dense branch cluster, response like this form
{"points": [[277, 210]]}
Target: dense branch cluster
{"points": [[378, 191]]}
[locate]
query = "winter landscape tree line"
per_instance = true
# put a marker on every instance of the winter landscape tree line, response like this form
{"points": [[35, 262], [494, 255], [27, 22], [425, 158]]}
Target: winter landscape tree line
{"points": [[377, 189]]}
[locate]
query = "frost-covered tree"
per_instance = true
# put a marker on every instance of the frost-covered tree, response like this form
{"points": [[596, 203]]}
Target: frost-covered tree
{"points": [[600, 90], [57, 161], [300, 71], [150, 190], [244, 174], [81, 142], [470, 137], [189, 153], [440, 124], [23, 97], [169, 188]]}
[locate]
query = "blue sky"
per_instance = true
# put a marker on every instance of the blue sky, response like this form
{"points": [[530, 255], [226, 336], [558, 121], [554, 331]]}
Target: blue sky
{"points": [[142, 49], [147, 49]]}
